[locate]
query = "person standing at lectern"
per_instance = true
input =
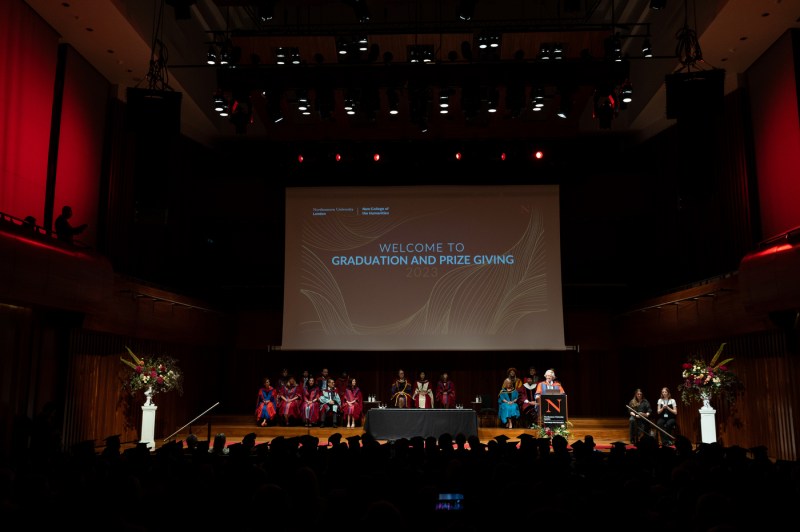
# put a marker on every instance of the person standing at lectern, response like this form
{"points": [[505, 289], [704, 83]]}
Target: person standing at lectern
{"points": [[550, 385], [401, 391]]}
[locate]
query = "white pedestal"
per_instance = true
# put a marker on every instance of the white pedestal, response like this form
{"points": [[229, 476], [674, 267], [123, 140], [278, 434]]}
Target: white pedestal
{"points": [[708, 423], [149, 426]]}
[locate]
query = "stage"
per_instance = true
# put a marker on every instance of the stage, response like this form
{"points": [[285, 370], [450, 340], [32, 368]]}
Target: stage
{"points": [[605, 431]]}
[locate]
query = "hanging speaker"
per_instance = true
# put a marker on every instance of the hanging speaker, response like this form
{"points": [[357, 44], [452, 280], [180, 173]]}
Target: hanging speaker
{"points": [[153, 111], [695, 95]]}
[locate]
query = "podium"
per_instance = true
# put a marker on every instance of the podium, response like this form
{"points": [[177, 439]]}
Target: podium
{"points": [[553, 410]]}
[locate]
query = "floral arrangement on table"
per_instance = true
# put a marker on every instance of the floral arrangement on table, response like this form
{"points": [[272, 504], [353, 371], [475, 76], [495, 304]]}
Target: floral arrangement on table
{"points": [[702, 381], [564, 430], [159, 373]]}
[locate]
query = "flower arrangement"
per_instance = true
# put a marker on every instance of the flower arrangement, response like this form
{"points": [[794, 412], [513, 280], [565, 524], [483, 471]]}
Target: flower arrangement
{"points": [[160, 373], [707, 380], [564, 430]]}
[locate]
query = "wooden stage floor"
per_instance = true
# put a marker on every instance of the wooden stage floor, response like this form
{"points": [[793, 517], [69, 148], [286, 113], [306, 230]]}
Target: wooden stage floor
{"points": [[605, 431]]}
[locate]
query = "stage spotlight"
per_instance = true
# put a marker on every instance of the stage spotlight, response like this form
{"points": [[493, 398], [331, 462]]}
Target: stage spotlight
{"points": [[489, 40], [564, 104], [545, 52], [606, 106], [219, 101], [613, 45], [626, 92], [466, 9], [420, 53], [538, 155], [360, 9], [265, 10], [394, 101], [211, 56], [376, 157], [647, 48], [492, 99]]}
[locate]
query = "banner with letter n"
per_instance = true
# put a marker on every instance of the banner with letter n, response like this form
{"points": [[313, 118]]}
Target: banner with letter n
{"points": [[553, 410]]}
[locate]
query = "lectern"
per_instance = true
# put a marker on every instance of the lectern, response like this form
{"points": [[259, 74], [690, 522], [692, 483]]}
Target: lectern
{"points": [[553, 410]]}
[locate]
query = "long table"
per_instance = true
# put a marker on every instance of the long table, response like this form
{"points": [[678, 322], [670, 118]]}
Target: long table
{"points": [[396, 423]]}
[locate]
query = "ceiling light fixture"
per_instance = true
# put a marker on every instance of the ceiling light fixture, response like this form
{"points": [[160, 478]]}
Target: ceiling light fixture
{"points": [[265, 10], [360, 9], [564, 103], [647, 48], [606, 106], [394, 101], [420, 53], [466, 9]]}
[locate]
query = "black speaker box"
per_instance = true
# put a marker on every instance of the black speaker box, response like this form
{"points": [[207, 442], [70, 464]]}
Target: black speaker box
{"points": [[153, 111], [695, 95]]}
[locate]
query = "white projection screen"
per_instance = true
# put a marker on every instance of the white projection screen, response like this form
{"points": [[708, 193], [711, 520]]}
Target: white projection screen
{"points": [[423, 268]]}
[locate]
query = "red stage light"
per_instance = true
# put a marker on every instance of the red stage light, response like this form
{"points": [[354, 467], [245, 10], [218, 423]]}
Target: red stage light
{"points": [[376, 157], [458, 156], [503, 156], [300, 158], [338, 157]]}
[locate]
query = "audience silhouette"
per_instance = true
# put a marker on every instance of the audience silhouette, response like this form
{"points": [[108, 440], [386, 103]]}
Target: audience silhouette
{"points": [[706, 488]]}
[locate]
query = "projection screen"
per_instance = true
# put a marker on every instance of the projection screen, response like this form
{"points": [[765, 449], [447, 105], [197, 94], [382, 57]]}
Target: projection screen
{"points": [[423, 268]]}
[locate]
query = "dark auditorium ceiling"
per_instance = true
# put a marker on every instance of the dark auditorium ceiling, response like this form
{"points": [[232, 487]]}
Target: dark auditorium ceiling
{"points": [[230, 224], [118, 36]]}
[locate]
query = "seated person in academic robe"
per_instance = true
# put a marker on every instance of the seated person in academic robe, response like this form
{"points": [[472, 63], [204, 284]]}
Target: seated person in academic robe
{"points": [[445, 392], [423, 392], [352, 404], [311, 404], [401, 391], [529, 408], [507, 405], [266, 404], [290, 402], [330, 404]]}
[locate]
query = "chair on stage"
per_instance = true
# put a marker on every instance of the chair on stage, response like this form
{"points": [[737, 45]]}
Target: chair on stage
{"points": [[487, 415]]}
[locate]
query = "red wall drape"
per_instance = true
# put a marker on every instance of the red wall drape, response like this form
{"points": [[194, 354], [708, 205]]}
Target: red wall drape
{"points": [[28, 68]]}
